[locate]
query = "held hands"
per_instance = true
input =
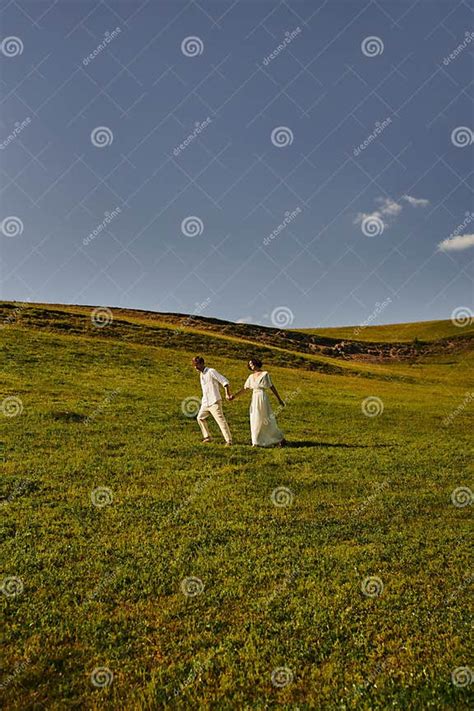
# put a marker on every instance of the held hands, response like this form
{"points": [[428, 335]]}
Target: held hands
{"points": [[229, 396]]}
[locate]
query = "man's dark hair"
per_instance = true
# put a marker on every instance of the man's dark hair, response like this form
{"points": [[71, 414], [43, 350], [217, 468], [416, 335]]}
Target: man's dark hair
{"points": [[198, 359]]}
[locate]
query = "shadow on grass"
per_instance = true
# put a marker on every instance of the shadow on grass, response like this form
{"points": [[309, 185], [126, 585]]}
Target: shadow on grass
{"points": [[312, 443], [68, 416]]}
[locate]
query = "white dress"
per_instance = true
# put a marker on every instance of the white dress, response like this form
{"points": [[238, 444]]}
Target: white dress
{"points": [[263, 424]]}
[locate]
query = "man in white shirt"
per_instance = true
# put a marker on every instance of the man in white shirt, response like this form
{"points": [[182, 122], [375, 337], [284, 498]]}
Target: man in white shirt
{"points": [[211, 400]]}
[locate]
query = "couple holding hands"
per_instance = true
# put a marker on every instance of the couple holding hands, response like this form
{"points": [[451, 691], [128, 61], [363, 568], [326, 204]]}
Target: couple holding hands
{"points": [[263, 424]]}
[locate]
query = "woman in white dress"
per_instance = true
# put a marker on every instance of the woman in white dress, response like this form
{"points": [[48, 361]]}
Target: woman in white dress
{"points": [[263, 425]]}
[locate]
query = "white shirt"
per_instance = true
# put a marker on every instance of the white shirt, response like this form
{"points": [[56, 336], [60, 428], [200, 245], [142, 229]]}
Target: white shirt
{"points": [[210, 380]]}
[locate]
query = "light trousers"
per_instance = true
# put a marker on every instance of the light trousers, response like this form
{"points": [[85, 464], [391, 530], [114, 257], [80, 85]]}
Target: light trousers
{"points": [[218, 414]]}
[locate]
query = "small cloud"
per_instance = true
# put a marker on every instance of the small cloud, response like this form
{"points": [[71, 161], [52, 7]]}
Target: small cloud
{"points": [[388, 206], [361, 216], [416, 202], [456, 244], [371, 223], [387, 211], [244, 319]]}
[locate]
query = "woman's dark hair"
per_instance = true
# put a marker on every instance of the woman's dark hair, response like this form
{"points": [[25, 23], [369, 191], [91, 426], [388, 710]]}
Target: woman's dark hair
{"points": [[256, 361]]}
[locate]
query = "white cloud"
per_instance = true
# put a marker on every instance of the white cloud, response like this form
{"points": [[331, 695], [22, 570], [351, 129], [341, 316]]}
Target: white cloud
{"points": [[388, 206], [388, 210], [361, 216], [456, 244], [416, 202]]}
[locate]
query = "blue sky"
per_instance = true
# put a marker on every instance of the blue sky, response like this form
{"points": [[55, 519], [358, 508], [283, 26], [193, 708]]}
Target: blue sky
{"points": [[296, 163]]}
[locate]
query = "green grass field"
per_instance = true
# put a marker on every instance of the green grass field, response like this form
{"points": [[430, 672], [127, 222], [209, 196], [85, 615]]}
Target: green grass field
{"points": [[280, 542], [401, 332]]}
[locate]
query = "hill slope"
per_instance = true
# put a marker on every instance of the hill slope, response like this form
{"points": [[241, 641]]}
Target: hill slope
{"points": [[342, 559], [292, 348], [397, 332]]}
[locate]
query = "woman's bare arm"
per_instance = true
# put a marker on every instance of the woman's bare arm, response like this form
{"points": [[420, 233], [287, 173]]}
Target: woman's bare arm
{"points": [[239, 392], [275, 392]]}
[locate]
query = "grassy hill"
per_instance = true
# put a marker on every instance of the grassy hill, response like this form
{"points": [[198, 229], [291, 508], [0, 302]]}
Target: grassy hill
{"points": [[115, 515], [396, 332], [286, 347]]}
